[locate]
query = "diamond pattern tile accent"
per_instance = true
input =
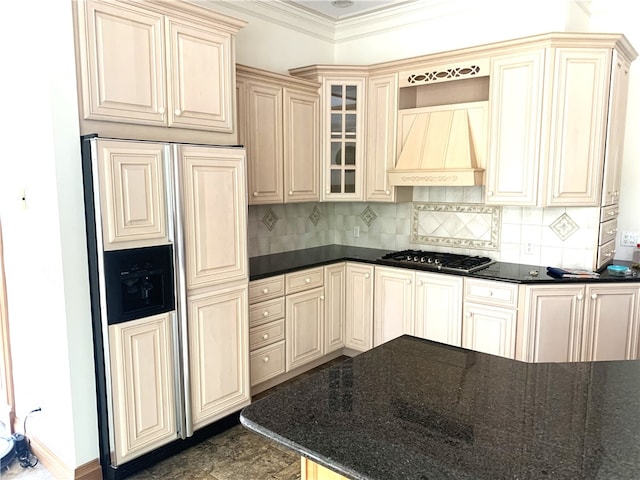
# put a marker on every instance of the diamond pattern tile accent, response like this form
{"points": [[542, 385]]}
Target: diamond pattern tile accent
{"points": [[315, 215], [270, 219], [564, 226], [456, 225], [368, 216]]}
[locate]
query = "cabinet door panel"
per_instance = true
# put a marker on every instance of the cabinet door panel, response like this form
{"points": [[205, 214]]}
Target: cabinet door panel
{"points": [[219, 353], [123, 64], [301, 147], [334, 285], [438, 314], [142, 376], [359, 307], [394, 297], [304, 327], [215, 216], [132, 193], [199, 62], [611, 323], [489, 330]]}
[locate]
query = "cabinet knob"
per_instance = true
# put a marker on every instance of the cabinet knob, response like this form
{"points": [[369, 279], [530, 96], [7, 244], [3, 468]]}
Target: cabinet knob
{"points": [[255, 194], [469, 314], [178, 112], [290, 192], [366, 275], [388, 192], [265, 359], [265, 336], [328, 192], [579, 296], [594, 296], [490, 293], [490, 193], [420, 283], [321, 297], [266, 313], [307, 280], [408, 282], [161, 110], [265, 290]]}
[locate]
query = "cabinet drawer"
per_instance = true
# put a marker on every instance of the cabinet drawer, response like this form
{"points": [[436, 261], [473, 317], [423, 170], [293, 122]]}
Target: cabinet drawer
{"points": [[492, 293], [266, 334], [267, 362], [304, 280], [265, 312], [606, 253], [608, 231], [265, 289], [607, 213]]}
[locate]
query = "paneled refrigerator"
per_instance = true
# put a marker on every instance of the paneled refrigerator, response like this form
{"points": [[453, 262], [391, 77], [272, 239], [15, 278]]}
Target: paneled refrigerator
{"points": [[168, 268]]}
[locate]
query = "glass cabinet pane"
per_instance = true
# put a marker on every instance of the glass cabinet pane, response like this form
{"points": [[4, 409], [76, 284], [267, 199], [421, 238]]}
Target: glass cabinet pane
{"points": [[349, 181], [336, 125], [350, 153], [336, 181], [336, 97], [351, 97], [336, 153], [350, 124]]}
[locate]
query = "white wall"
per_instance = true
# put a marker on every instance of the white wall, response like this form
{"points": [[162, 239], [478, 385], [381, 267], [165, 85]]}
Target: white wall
{"points": [[45, 248]]}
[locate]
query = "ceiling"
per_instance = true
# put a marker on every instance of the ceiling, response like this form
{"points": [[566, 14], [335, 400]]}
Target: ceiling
{"points": [[331, 10]]}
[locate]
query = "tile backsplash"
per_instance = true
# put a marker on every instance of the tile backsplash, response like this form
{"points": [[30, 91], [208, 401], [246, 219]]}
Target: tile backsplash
{"points": [[439, 218]]}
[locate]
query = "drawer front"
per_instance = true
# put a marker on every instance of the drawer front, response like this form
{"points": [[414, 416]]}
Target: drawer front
{"points": [[266, 312], [304, 280], [608, 231], [608, 213], [606, 253], [491, 293], [266, 334], [265, 289], [267, 362]]}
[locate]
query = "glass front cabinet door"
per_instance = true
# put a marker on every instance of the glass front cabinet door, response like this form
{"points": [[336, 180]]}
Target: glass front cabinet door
{"points": [[343, 143]]}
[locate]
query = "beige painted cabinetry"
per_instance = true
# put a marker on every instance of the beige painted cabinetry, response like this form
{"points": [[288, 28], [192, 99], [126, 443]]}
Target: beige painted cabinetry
{"points": [[132, 186], [490, 317], [334, 312], [438, 307], [168, 64], [393, 303], [279, 122], [212, 195], [578, 322], [359, 306], [142, 382]]}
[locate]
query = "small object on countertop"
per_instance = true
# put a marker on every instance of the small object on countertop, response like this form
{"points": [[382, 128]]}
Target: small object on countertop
{"points": [[636, 254], [557, 272], [617, 270], [533, 273]]}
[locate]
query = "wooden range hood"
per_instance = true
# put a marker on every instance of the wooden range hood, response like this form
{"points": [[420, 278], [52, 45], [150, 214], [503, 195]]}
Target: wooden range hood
{"points": [[441, 145]]}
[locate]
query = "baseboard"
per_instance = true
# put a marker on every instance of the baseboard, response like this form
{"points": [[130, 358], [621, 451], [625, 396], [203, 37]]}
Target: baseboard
{"points": [[56, 467]]}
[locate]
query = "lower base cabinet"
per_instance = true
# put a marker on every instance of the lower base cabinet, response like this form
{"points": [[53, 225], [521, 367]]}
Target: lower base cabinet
{"points": [[304, 326], [312, 471], [489, 329], [359, 307]]}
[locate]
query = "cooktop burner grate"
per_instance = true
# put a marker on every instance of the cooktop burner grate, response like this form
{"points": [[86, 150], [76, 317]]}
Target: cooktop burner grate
{"points": [[436, 260]]}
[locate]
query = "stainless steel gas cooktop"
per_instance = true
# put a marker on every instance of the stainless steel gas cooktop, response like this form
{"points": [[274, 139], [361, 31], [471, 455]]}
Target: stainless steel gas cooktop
{"points": [[423, 260]]}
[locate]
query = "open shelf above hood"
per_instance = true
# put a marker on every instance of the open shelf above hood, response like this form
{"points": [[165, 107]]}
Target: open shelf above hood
{"points": [[441, 145]]}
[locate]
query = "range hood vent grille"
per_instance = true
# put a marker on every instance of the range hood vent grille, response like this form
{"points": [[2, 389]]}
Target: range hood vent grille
{"points": [[442, 145]]}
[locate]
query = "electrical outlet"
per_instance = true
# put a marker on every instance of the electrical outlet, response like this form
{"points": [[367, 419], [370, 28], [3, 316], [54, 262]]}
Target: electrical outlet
{"points": [[356, 231], [528, 248], [629, 239]]}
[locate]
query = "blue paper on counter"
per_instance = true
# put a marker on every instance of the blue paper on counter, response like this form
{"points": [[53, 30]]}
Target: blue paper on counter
{"points": [[557, 272]]}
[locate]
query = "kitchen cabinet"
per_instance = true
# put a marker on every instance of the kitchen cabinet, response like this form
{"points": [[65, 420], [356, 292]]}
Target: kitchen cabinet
{"points": [[579, 322], [359, 306], [132, 185], [218, 352], [156, 63], [382, 119], [490, 317], [304, 317], [142, 383], [394, 298], [279, 124], [334, 314], [438, 307], [213, 194]]}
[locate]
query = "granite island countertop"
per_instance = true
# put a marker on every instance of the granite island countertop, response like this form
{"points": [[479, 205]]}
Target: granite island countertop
{"points": [[416, 409], [285, 262]]}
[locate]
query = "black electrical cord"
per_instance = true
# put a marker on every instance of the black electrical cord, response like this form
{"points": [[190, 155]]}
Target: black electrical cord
{"points": [[25, 457]]}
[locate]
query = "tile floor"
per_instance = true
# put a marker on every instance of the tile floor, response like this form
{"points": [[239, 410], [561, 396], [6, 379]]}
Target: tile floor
{"points": [[236, 454]]}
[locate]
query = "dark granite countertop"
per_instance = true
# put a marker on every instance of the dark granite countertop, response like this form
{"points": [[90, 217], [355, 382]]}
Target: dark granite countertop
{"points": [[416, 409], [286, 262]]}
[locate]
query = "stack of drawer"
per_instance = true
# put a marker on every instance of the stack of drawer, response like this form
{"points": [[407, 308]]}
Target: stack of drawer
{"points": [[266, 328], [607, 236]]}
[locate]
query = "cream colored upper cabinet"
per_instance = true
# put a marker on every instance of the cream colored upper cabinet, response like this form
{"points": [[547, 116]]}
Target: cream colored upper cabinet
{"points": [[577, 125], [334, 311], [359, 307], [382, 120], [515, 116], [550, 323], [218, 338], [142, 381], [132, 193], [438, 307], [612, 326], [169, 65], [615, 130], [279, 124], [393, 303], [213, 207]]}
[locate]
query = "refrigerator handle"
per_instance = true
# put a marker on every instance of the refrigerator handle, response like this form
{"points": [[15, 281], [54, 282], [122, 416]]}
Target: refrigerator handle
{"points": [[181, 345]]}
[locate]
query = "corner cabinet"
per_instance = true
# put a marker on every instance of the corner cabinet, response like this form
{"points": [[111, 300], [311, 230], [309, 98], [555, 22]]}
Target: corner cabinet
{"points": [[156, 63], [359, 306], [278, 118]]}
